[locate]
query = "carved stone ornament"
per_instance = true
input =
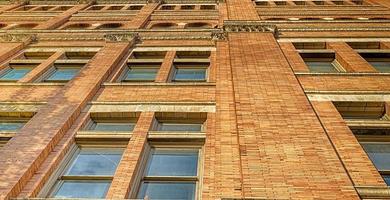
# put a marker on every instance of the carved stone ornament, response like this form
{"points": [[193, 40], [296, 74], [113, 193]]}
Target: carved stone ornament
{"points": [[86, 1], [25, 38], [23, 2], [249, 26], [218, 35], [121, 37]]}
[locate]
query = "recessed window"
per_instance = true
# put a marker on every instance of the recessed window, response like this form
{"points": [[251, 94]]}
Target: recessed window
{"points": [[77, 26], [11, 125], [186, 127], [364, 45], [14, 73], [190, 73], [96, 8], [207, 7], [380, 61], [321, 62], [167, 7], [110, 26], [261, 3], [136, 7], [309, 45], [187, 7], [62, 73], [300, 3], [62, 8], [319, 3], [170, 174], [198, 25], [164, 25], [338, 2], [115, 8], [361, 110], [280, 3], [141, 72], [179, 122], [88, 174], [112, 126], [24, 26]]}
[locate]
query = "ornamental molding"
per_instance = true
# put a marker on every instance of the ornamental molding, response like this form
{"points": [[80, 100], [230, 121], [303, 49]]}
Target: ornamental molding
{"points": [[127, 37], [218, 35], [17, 37], [249, 26], [375, 192], [23, 2]]}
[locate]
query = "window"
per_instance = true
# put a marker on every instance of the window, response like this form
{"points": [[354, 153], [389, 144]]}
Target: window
{"points": [[300, 3], [115, 8], [112, 125], [11, 125], [88, 174], [361, 110], [141, 73], [167, 7], [261, 3], [180, 122], [190, 127], [110, 26], [190, 73], [380, 61], [14, 73], [207, 7], [137, 7], [78, 26], [187, 7], [171, 173], [96, 7], [321, 62], [280, 3], [62, 73], [318, 3], [164, 25]]}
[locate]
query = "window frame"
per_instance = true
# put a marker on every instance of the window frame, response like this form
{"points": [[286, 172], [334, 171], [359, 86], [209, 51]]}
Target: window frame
{"points": [[131, 66], [54, 183], [151, 147], [54, 69], [373, 139], [8, 69]]}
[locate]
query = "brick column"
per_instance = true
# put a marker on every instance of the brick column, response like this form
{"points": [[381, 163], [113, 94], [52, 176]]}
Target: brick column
{"points": [[358, 165], [19, 158], [57, 21], [227, 177], [142, 17], [293, 57], [166, 67], [42, 68], [241, 10], [349, 59], [296, 161], [127, 171]]}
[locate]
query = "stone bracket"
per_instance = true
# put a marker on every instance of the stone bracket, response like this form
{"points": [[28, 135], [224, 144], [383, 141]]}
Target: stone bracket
{"points": [[121, 37], [249, 26]]}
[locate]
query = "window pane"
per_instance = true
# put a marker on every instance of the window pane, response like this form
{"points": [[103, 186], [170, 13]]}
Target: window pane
{"points": [[63, 74], [141, 74], [113, 126], [95, 163], [321, 67], [15, 74], [181, 127], [82, 189], [379, 155], [381, 66], [11, 126], [387, 179], [173, 163], [173, 190], [190, 74]]}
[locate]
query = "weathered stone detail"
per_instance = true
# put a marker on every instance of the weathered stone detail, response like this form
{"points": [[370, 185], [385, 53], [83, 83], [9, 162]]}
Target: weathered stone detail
{"points": [[23, 2], [86, 1], [373, 192], [249, 26], [218, 35], [121, 37], [25, 38]]}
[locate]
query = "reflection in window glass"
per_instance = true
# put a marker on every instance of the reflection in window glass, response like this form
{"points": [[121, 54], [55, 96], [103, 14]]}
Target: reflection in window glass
{"points": [[95, 163], [63, 74], [173, 190], [11, 126], [190, 74], [381, 66], [180, 127], [379, 155], [105, 126], [321, 67], [82, 189], [141, 74], [387, 179], [173, 163], [14, 74]]}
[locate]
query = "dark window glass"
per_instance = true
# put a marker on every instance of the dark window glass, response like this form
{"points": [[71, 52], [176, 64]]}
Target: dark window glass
{"points": [[63, 74], [321, 67], [105, 126], [190, 74], [180, 127], [379, 155], [381, 66]]}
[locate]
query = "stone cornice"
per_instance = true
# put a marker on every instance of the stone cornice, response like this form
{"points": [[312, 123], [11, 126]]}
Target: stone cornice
{"points": [[18, 37], [373, 192]]}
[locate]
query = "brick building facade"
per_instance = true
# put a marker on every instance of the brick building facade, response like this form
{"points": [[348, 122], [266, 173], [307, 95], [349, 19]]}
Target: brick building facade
{"points": [[195, 99]]}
